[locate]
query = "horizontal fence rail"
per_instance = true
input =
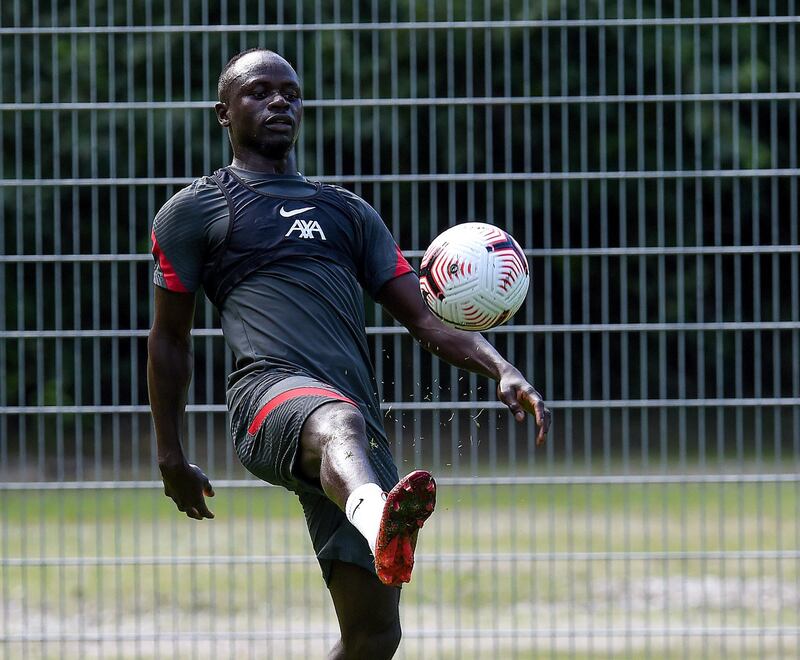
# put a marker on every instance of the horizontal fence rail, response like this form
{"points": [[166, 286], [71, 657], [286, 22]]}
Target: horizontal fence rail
{"points": [[728, 326], [452, 177], [99, 106], [466, 557], [688, 250], [417, 25], [430, 405], [562, 480]]}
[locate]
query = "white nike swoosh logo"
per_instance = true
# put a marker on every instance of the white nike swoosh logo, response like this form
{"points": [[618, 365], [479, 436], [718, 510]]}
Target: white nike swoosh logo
{"points": [[289, 214]]}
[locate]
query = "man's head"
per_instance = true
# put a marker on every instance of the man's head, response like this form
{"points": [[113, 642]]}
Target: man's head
{"points": [[260, 103]]}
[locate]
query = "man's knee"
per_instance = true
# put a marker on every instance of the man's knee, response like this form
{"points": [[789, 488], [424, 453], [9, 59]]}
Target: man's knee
{"points": [[377, 640], [333, 439], [335, 421]]}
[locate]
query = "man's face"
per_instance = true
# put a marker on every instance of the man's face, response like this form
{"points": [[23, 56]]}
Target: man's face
{"points": [[264, 106]]}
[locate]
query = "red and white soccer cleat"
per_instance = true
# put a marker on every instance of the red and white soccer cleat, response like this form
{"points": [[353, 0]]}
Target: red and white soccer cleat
{"points": [[408, 506]]}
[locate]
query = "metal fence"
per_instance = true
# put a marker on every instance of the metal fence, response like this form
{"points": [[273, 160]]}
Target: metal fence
{"points": [[645, 154]]}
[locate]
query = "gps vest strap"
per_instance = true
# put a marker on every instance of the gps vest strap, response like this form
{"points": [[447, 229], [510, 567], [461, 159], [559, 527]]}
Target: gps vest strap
{"points": [[264, 228]]}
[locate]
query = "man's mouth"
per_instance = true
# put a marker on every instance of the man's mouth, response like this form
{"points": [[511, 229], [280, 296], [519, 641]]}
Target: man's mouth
{"points": [[279, 120]]}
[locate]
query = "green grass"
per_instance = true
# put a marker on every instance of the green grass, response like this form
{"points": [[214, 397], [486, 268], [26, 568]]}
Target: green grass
{"points": [[251, 570]]}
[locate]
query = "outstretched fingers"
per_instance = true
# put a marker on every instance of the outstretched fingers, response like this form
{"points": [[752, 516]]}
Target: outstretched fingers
{"points": [[201, 510], [197, 509], [532, 401], [525, 399]]}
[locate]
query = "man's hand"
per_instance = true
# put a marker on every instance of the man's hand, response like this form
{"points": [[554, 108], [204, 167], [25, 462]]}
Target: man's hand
{"points": [[186, 484], [521, 397]]}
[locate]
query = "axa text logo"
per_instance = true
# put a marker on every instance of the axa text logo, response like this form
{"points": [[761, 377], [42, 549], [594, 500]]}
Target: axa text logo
{"points": [[306, 229]]}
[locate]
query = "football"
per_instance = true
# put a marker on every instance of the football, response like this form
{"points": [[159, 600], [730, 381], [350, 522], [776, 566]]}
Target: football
{"points": [[474, 276]]}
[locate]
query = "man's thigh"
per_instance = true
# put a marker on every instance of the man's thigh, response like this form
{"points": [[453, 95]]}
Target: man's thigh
{"points": [[266, 427]]}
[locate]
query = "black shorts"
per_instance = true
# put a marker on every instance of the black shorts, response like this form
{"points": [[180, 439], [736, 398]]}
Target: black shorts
{"points": [[266, 426]]}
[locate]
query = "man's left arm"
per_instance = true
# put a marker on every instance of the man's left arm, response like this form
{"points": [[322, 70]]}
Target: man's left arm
{"points": [[401, 297]]}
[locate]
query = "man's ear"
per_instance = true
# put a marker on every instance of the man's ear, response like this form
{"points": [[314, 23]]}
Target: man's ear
{"points": [[222, 114]]}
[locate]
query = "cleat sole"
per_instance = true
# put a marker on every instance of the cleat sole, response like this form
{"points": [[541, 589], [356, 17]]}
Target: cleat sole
{"points": [[408, 506]]}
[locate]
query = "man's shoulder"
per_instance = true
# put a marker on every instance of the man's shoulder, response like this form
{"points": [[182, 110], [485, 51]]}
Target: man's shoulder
{"points": [[199, 197], [344, 192], [356, 202], [199, 188]]}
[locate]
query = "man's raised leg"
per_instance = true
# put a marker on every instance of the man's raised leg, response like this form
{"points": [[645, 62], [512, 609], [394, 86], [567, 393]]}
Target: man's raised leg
{"points": [[334, 449]]}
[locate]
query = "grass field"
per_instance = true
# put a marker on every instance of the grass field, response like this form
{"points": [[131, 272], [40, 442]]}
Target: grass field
{"points": [[513, 571]]}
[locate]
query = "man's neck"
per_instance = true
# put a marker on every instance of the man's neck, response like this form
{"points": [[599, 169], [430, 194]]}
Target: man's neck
{"points": [[258, 163]]}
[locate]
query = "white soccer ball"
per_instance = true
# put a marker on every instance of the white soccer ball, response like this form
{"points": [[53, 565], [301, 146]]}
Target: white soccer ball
{"points": [[474, 276]]}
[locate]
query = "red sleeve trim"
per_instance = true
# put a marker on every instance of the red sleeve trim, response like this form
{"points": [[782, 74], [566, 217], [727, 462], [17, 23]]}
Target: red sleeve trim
{"points": [[170, 276], [283, 397], [402, 267]]}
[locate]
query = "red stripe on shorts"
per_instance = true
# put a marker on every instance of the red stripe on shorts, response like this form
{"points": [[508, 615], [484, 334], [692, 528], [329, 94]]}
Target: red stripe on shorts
{"points": [[283, 397]]}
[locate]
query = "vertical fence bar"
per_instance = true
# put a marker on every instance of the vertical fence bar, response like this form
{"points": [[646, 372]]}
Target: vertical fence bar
{"points": [[605, 316], [474, 131], [96, 362], [5, 365], [39, 303], [586, 290], [662, 306], [552, 273], [536, 587], [511, 451], [643, 306], [778, 458], [719, 367], [683, 427], [624, 349], [566, 294], [778, 291], [794, 238], [21, 346]]}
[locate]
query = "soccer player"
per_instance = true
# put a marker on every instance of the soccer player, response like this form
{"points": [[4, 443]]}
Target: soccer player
{"points": [[285, 261]]}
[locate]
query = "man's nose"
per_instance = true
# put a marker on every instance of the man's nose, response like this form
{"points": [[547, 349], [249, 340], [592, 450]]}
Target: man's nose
{"points": [[277, 101]]}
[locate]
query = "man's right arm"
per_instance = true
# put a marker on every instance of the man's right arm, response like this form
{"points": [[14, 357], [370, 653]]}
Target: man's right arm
{"points": [[169, 370]]}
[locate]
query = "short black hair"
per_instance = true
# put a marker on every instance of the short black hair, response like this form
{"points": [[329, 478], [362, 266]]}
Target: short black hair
{"points": [[225, 77]]}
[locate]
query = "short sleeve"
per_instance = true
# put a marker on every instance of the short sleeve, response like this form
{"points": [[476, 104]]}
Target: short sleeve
{"points": [[381, 258], [178, 243]]}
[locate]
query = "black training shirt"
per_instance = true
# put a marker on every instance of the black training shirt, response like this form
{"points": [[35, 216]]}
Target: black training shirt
{"points": [[311, 249]]}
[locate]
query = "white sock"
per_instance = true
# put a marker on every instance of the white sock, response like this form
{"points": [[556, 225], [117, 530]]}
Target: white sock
{"points": [[364, 509]]}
